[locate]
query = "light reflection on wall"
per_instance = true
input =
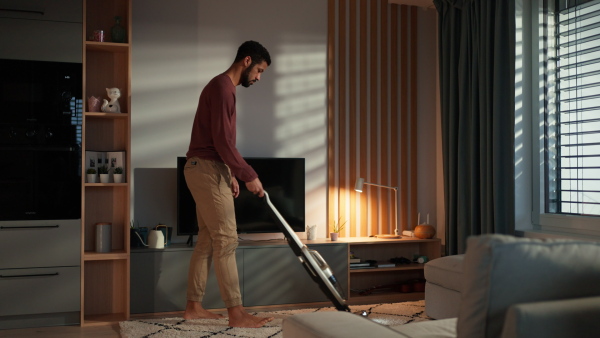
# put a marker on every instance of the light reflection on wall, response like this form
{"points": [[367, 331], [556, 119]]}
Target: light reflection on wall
{"points": [[300, 128]]}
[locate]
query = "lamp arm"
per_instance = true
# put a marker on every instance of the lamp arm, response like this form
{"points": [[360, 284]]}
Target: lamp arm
{"points": [[358, 187], [382, 186]]}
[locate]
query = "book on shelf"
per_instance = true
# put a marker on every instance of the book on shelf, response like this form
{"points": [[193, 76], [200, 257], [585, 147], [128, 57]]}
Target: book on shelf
{"points": [[386, 265], [354, 260], [362, 267]]}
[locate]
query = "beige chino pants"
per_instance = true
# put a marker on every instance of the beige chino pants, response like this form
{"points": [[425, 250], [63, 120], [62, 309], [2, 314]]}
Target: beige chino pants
{"points": [[210, 185]]}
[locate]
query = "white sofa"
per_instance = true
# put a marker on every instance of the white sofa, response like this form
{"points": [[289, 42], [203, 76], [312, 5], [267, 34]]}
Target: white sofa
{"points": [[513, 287], [444, 280]]}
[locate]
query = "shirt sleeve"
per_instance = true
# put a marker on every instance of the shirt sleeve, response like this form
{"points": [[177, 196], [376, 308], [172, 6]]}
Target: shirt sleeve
{"points": [[223, 124]]}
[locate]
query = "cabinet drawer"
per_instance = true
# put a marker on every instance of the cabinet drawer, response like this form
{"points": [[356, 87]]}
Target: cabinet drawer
{"points": [[46, 10], [159, 281], [37, 40], [35, 291], [274, 276], [35, 244]]}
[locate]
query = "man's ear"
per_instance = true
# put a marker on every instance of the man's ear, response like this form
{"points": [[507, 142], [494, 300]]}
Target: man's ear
{"points": [[247, 61]]}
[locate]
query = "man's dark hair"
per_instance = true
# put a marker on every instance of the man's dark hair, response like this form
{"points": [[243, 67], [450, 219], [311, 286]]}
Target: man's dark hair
{"points": [[254, 50]]}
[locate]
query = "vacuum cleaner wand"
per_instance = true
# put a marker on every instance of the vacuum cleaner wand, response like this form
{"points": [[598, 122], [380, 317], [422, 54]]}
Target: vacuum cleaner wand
{"points": [[312, 261]]}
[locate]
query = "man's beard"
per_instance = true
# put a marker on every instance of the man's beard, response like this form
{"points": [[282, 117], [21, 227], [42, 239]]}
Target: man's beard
{"points": [[245, 80]]}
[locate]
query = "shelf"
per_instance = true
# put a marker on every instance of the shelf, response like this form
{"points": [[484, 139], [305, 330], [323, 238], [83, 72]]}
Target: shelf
{"points": [[382, 250], [105, 290], [105, 276], [384, 297], [107, 134], [106, 115], [414, 266], [377, 241], [96, 185], [105, 256], [109, 47]]}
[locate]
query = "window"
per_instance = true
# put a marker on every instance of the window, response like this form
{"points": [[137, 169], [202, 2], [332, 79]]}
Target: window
{"points": [[573, 110]]}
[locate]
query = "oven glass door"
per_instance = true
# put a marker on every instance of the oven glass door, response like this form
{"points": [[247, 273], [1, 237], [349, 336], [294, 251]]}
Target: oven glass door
{"points": [[42, 182]]}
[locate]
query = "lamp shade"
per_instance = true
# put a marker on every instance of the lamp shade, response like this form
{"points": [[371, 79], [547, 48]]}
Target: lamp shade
{"points": [[358, 186]]}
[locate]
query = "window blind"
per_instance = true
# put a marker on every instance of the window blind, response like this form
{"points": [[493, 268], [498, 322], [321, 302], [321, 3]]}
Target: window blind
{"points": [[577, 154]]}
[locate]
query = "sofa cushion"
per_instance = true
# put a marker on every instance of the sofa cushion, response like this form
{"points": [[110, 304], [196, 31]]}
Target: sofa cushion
{"points": [[577, 317], [440, 302], [340, 324], [443, 328], [445, 271], [334, 324], [503, 270]]}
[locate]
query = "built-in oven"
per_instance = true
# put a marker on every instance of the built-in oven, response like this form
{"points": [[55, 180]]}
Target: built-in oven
{"points": [[40, 140]]}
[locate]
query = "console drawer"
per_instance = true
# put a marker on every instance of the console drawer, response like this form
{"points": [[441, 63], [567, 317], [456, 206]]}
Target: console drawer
{"points": [[34, 244], [35, 291]]}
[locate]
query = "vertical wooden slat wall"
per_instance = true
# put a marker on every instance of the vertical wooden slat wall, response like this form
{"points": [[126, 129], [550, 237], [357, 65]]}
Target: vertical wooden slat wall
{"points": [[371, 115]]}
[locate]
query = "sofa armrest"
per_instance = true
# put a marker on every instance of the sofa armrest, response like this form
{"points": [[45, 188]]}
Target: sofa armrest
{"points": [[334, 324], [575, 317]]}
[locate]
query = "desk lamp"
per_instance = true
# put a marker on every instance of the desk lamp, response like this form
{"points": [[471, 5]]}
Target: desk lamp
{"points": [[358, 186]]}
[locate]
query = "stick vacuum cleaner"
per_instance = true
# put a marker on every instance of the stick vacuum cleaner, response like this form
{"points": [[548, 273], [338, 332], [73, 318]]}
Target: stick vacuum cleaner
{"points": [[312, 261]]}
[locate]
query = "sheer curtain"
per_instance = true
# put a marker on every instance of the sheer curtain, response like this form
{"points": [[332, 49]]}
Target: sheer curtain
{"points": [[477, 58]]}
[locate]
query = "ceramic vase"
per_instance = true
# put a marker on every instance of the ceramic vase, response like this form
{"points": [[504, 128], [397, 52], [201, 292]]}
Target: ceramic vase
{"points": [[311, 232], [91, 178], [94, 104], [104, 178], [117, 32]]}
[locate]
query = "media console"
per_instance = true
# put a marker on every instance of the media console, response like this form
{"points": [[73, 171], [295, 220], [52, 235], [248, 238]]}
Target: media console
{"points": [[270, 273]]}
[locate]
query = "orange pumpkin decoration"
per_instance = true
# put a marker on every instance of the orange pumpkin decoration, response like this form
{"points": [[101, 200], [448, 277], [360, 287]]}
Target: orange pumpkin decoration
{"points": [[424, 231]]}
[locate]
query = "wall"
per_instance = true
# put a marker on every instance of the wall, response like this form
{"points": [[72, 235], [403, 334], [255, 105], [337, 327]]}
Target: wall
{"points": [[178, 47]]}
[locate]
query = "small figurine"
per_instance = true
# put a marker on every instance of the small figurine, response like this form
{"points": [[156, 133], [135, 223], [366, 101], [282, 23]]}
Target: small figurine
{"points": [[113, 105]]}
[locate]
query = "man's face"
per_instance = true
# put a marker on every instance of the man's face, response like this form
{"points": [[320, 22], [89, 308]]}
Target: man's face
{"points": [[252, 73]]}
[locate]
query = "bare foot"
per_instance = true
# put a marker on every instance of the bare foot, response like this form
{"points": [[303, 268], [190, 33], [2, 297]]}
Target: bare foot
{"points": [[194, 310], [238, 317]]}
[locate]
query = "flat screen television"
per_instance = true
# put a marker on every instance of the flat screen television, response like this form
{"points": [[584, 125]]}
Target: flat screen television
{"points": [[282, 178]]}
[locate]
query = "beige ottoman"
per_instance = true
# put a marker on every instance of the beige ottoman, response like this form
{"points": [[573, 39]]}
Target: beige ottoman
{"points": [[443, 286]]}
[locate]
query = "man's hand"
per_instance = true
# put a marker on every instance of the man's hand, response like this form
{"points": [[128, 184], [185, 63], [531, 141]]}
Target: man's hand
{"points": [[255, 187], [235, 187]]}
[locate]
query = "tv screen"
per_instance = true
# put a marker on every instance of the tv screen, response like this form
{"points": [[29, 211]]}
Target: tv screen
{"points": [[282, 178]]}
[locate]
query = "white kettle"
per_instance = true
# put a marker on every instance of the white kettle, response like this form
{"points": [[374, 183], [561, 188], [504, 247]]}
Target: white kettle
{"points": [[156, 238]]}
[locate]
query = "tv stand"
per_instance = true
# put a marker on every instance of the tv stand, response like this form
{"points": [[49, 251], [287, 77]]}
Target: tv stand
{"points": [[269, 273], [190, 241]]}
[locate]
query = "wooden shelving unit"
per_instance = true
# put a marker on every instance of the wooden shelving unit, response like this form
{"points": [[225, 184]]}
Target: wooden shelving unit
{"points": [[382, 250], [105, 276]]}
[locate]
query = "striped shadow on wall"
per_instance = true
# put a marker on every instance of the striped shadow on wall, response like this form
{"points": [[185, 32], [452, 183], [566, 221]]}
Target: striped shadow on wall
{"points": [[372, 123]]}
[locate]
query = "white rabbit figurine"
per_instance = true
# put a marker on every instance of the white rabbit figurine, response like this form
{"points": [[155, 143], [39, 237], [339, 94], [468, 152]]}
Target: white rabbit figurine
{"points": [[113, 105]]}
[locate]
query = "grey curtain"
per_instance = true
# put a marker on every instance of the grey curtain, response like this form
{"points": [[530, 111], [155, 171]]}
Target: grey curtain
{"points": [[477, 67]]}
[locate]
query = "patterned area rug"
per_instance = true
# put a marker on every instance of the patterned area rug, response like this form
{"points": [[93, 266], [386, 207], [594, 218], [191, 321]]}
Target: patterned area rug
{"points": [[387, 314]]}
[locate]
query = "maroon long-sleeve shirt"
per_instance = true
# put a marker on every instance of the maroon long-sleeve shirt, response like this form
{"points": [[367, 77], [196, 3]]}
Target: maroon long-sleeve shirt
{"points": [[214, 129]]}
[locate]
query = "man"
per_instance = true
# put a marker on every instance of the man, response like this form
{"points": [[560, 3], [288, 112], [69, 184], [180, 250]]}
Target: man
{"points": [[213, 163]]}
